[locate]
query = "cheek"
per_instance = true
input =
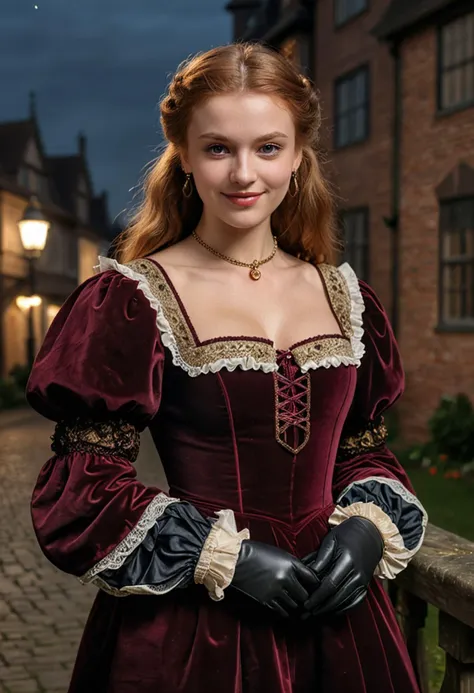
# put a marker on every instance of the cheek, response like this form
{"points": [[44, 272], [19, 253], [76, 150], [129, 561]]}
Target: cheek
{"points": [[277, 176]]}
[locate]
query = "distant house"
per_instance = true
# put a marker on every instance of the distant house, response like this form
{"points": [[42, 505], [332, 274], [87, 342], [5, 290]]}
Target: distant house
{"points": [[396, 82], [80, 231]]}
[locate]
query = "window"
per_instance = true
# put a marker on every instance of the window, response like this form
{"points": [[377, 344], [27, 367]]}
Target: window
{"points": [[347, 9], [355, 227], [352, 108], [456, 63], [457, 262]]}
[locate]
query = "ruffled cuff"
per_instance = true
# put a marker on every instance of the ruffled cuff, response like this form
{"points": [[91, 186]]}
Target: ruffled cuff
{"points": [[159, 555], [216, 565], [395, 557]]}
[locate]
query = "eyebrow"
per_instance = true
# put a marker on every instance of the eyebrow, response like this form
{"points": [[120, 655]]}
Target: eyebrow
{"points": [[217, 136]]}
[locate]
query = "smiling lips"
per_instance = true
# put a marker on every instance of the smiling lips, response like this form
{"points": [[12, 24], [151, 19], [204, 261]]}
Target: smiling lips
{"points": [[243, 199]]}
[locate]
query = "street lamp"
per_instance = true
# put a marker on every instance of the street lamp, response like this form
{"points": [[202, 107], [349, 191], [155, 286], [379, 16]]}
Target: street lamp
{"points": [[33, 227]]}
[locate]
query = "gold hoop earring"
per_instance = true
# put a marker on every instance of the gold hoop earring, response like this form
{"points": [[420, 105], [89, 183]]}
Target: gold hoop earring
{"points": [[295, 181], [188, 186]]}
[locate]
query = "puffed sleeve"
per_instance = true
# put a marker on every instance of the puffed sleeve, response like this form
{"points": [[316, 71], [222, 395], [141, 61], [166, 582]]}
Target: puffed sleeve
{"points": [[368, 480], [99, 375]]}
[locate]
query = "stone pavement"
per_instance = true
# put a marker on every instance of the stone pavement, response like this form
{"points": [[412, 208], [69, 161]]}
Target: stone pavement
{"points": [[42, 611]]}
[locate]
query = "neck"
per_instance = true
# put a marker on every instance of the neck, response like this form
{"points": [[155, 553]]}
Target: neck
{"points": [[245, 245]]}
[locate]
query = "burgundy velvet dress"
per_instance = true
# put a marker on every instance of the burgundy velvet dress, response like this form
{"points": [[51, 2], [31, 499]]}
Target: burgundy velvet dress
{"points": [[275, 436]]}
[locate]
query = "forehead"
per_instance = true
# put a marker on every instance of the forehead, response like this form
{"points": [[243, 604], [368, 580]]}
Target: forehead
{"points": [[241, 116]]}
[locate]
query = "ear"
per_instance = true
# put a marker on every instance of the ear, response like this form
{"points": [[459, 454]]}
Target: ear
{"points": [[298, 159], [183, 157]]}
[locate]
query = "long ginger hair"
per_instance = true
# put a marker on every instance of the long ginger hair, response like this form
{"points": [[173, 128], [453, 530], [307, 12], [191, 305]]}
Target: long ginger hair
{"points": [[304, 224]]}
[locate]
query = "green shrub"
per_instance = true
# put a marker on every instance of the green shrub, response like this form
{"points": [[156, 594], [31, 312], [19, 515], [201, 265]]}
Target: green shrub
{"points": [[20, 374], [10, 394], [452, 428]]}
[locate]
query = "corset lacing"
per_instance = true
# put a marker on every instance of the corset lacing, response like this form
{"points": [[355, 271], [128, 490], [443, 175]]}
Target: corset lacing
{"points": [[292, 403]]}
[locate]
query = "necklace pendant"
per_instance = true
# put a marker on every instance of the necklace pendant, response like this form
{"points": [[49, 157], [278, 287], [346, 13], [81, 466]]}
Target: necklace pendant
{"points": [[255, 274]]}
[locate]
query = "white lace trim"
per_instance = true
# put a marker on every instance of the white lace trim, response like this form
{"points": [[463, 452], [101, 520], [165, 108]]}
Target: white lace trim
{"points": [[357, 308], [154, 590], [330, 362], [396, 486], [246, 363], [117, 557]]}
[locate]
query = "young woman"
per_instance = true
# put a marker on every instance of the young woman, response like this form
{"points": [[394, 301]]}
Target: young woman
{"points": [[263, 371]]}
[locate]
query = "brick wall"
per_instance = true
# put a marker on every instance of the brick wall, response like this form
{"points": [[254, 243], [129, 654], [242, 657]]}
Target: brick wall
{"points": [[362, 172], [432, 146]]}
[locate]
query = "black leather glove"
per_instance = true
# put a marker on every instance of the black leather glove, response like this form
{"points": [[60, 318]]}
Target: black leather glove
{"points": [[345, 564], [273, 577]]}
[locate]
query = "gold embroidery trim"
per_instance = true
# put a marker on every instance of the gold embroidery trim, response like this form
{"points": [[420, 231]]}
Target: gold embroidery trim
{"points": [[318, 351], [372, 438], [119, 438], [339, 296], [195, 355]]}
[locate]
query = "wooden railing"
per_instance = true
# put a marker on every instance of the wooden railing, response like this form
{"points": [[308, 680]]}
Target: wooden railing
{"points": [[441, 574]]}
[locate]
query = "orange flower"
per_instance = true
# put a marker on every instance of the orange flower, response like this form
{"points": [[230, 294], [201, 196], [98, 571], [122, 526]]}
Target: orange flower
{"points": [[443, 458], [433, 470], [456, 474]]}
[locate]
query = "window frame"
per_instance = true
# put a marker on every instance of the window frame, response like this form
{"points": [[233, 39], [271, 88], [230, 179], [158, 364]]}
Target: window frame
{"points": [[365, 211], [350, 17], [444, 323], [441, 69], [346, 77]]}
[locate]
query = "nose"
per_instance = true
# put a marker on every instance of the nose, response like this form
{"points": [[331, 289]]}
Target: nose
{"points": [[242, 172]]}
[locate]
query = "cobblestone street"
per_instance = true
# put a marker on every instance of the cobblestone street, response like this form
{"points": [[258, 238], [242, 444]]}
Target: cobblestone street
{"points": [[42, 611]]}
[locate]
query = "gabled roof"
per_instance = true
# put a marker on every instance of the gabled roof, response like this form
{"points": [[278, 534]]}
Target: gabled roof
{"points": [[100, 214], [65, 171], [402, 15], [14, 136]]}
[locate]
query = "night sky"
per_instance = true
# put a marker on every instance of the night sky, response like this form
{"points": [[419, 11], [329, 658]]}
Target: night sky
{"points": [[101, 66]]}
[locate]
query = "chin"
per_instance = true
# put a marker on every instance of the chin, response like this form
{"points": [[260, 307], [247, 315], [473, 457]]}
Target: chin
{"points": [[238, 221]]}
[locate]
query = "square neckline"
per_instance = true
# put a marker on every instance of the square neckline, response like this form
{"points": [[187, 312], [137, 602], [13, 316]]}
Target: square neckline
{"points": [[252, 338]]}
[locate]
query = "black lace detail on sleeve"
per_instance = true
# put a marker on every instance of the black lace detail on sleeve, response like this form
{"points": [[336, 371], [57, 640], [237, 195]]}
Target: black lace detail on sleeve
{"points": [[371, 438], [119, 438]]}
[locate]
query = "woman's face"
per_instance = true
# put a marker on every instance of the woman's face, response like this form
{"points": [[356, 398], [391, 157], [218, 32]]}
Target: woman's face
{"points": [[241, 143]]}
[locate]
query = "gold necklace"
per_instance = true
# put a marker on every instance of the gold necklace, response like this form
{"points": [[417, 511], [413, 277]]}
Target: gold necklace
{"points": [[254, 273]]}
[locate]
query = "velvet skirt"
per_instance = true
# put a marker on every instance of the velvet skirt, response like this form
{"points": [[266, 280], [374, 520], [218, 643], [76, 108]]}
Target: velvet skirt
{"points": [[183, 642]]}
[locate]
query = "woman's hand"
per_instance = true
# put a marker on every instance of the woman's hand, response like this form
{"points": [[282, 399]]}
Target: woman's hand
{"points": [[273, 577], [345, 564]]}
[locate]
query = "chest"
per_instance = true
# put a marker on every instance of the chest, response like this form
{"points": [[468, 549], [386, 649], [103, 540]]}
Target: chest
{"points": [[284, 313]]}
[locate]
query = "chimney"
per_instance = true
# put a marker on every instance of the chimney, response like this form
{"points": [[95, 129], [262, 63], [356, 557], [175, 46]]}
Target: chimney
{"points": [[82, 142], [33, 112]]}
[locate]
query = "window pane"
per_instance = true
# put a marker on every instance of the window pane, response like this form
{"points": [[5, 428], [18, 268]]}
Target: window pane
{"points": [[352, 103], [343, 131], [470, 290], [343, 96], [359, 124], [447, 46], [457, 251], [470, 36], [457, 62], [345, 9], [360, 88], [469, 81]]}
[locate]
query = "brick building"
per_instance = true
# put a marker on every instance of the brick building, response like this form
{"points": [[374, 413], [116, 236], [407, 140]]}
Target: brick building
{"points": [[434, 54], [396, 81], [80, 231]]}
